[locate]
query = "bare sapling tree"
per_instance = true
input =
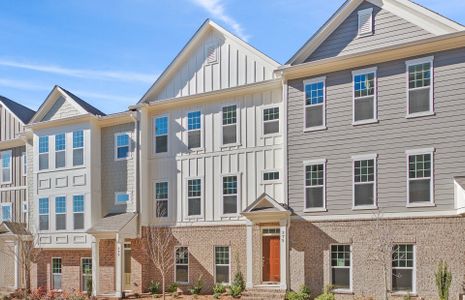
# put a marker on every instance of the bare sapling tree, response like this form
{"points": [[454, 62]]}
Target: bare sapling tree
{"points": [[159, 247]]}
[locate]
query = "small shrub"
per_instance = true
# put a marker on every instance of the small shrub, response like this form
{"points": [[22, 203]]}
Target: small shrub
{"points": [[327, 294], [239, 280], [172, 288], [407, 297], [219, 288], [235, 291], [197, 287], [302, 294], [154, 287], [443, 280]]}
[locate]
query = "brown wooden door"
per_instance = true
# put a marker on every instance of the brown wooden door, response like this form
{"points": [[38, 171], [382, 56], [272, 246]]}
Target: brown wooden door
{"points": [[271, 259]]}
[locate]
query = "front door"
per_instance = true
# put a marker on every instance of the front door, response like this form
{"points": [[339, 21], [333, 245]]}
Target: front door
{"points": [[271, 259]]}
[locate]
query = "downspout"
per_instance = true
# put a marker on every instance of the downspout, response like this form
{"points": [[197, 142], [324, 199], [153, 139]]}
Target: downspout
{"points": [[135, 115]]}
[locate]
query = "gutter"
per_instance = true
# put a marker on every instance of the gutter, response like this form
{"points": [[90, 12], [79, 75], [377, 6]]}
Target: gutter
{"points": [[135, 115]]}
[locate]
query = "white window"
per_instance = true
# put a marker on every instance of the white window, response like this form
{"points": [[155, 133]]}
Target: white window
{"points": [[194, 197], [56, 273], [314, 181], [270, 176], [122, 144], [86, 271], [420, 87], [6, 166], [364, 181], [43, 214], [270, 120], [43, 153], [78, 212], [25, 212], [60, 213], [194, 130], [364, 96], [78, 148], [60, 150], [161, 134], [230, 129], [182, 265], [341, 267], [161, 199], [365, 22], [403, 268], [222, 264], [420, 177], [24, 163], [122, 198], [315, 104], [6, 212], [230, 194]]}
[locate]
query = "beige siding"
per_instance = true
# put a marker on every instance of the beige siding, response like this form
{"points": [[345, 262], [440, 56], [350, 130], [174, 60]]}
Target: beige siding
{"points": [[62, 108], [389, 29], [390, 138]]}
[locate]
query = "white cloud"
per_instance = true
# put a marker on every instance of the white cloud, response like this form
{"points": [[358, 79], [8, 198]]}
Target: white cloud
{"points": [[217, 10], [80, 73]]}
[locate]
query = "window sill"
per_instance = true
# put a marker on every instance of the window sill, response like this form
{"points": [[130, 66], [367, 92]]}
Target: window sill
{"points": [[421, 204], [195, 149], [270, 182], [365, 122], [365, 207], [318, 128], [61, 169], [271, 135], [420, 114], [123, 159], [316, 209], [344, 292], [230, 145], [402, 294]]}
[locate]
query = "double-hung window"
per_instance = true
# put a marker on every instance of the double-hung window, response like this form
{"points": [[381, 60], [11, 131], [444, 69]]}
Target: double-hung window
{"points": [[161, 134], [314, 184], [314, 104], [341, 267], [403, 268], [43, 214], [270, 120], [43, 153], [56, 273], [230, 194], [182, 265], [78, 148], [420, 176], [364, 189], [60, 213], [60, 150], [161, 199], [122, 144], [364, 97], [78, 211], [6, 211], [222, 264], [420, 87], [194, 130], [229, 125], [194, 197], [6, 166]]}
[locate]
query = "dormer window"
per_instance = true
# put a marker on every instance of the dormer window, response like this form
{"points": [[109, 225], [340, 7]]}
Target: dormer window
{"points": [[365, 22]]}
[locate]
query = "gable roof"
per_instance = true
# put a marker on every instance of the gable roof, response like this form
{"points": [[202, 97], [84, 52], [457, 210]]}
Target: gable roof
{"points": [[13, 228], [190, 46], [89, 108], [413, 12], [23, 113]]}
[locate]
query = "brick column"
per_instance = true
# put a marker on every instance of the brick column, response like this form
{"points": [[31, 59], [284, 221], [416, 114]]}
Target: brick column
{"points": [[95, 266]]}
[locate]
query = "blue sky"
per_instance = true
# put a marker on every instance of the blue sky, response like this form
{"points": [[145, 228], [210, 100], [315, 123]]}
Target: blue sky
{"points": [[109, 52]]}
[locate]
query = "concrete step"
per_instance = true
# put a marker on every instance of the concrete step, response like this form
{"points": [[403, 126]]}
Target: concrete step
{"points": [[263, 294]]}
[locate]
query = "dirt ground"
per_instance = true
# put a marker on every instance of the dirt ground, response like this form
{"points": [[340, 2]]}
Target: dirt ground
{"points": [[188, 297]]}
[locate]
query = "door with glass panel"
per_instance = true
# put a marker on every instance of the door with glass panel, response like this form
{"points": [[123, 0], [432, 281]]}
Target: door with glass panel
{"points": [[127, 266], [86, 274]]}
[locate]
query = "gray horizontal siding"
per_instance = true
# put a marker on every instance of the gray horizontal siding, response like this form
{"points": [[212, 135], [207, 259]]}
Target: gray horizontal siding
{"points": [[389, 138], [389, 29]]}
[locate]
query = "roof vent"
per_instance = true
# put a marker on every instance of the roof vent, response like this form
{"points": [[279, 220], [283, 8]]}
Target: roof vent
{"points": [[365, 22], [212, 54]]}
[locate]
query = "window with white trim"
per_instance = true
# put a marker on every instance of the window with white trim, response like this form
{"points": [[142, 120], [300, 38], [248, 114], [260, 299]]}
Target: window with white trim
{"points": [[365, 22], [270, 120], [60, 213], [78, 212], [229, 124], [60, 150], [25, 212], [161, 134], [44, 222], [86, 271], [24, 163], [6, 166], [270, 176], [364, 181], [194, 130], [6, 212], [420, 87], [341, 267], [43, 153], [364, 103], [181, 265], [315, 185], [194, 197], [230, 194], [403, 268], [122, 144], [161, 199], [222, 264], [78, 148], [420, 173], [121, 198], [315, 102], [56, 273]]}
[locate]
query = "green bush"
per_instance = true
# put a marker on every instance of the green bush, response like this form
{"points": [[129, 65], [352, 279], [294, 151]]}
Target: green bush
{"points": [[443, 280], [327, 294], [172, 288], [239, 280], [219, 288], [302, 294], [154, 287], [197, 287], [235, 291]]}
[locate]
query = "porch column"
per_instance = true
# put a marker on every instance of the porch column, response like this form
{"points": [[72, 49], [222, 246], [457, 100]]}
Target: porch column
{"points": [[17, 264], [284, 237], [119, 266], [95, 266], [249, 251]]}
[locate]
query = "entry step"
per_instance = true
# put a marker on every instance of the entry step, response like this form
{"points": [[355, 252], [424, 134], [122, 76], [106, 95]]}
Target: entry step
{"points": [[263, 294]]}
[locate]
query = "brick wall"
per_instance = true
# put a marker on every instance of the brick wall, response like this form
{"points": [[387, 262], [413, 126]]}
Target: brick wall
{"points": [[107, 266]]}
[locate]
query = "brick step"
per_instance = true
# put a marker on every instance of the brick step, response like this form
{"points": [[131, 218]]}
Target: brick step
{"points": [[263, 294]]}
